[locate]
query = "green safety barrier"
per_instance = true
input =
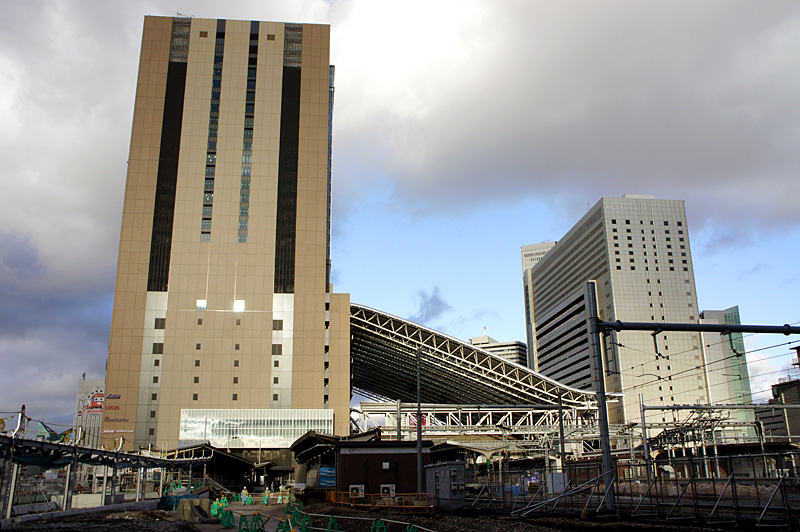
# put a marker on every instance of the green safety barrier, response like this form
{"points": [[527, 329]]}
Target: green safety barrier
{"points": [[256, 523], [283, 526], [244, 526], [296, 516], [305, 524], [333, 526], [378, 526], [228, 519], [411, 528]]}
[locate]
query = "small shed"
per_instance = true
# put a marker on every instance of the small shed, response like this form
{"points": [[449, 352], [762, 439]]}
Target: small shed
{"points": [[386, 467]]}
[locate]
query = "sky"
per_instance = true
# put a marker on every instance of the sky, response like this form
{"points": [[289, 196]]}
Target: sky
{"points": [[462, 131]]}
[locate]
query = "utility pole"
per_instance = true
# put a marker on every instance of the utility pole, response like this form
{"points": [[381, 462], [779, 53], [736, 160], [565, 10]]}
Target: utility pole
{"points": [[419, 422], [598, 354]]}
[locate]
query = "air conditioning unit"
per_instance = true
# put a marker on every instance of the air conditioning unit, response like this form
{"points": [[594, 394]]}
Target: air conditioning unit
{"points": [[387, 489], [356, 490]]}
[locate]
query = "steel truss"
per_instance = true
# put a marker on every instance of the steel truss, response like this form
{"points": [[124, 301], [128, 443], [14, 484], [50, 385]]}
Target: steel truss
{"points": [[383, 361], [528, 429]]}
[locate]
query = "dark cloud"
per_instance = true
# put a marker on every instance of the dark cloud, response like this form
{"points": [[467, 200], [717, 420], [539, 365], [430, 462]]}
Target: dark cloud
{"points": [[583, 100], [432, 306]]}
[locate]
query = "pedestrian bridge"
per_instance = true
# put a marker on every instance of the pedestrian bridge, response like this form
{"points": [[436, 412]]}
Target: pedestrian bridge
{"points": [[383, 351]]}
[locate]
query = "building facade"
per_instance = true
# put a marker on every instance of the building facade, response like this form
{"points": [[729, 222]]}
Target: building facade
{"points": [[782, 424], [89, 412], [725, 361], [224, 326], [636, 250]]}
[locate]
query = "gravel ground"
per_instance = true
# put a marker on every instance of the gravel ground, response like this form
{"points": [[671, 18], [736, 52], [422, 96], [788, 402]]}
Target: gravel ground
{"points": [[139, 521], [353, 521]]}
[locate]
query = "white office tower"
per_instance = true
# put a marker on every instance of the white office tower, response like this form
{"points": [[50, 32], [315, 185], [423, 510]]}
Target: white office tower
{"points": [[636, 249], [726, 365]]}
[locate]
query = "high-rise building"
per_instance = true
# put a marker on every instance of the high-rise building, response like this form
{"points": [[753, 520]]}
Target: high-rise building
{"points": [[224, 326], [514, 351], [725, 362], [636, 250], [531, 254]]}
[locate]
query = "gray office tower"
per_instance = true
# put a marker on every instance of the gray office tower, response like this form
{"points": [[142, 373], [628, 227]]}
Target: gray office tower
{"points": [[636, 250]]}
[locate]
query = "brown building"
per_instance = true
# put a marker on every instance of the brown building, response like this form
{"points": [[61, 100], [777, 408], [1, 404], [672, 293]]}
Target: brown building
{"points": [[379, 466], [225, 327]]}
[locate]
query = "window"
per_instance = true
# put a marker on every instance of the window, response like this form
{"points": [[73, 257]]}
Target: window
{"points": [[277, 325], [154, 397], [199, 321], [274, 380], [204, 34], [613, 221], [155, 379], [197, 346], [238, 321], [236, 380], [194, 397], [236, 347], [235, 363], [277, 349], [276, 364], [274, 396], [197, 363], [197, 380], [158, 348], [201, 304], [628, 222], [666, 222], [151, 431], [270, 36], [680, 224], [160, 323], [152, 413], [156, 362], [236, 397]]}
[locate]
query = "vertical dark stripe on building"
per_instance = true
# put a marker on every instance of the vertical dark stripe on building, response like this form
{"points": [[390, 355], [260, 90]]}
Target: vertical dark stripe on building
{"points": [[286, 224], [164, 208]]}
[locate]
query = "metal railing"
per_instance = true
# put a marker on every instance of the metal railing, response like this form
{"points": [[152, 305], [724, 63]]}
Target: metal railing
{"points": [[411, 502]]}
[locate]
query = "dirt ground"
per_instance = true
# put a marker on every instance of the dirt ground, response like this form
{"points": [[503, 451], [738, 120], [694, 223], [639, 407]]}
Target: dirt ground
{"points": [[348, 521]]}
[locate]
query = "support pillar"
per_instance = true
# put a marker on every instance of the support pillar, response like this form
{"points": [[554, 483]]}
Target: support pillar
{"points": [[598, 354], [12, 487], [105, 483]]}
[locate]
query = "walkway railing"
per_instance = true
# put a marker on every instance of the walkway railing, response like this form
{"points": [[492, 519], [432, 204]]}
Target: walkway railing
{"points": [[404, 502]]}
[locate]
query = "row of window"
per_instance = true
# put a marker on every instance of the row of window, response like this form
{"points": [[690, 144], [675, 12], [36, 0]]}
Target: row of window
{"points": [[277, 349], [277, 325], [247, 136], [196, 397], [211, 149], [641, 222]]}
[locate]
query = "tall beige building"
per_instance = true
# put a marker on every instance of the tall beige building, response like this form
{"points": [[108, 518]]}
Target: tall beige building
{"points": [[224, 325], [636, 250]]}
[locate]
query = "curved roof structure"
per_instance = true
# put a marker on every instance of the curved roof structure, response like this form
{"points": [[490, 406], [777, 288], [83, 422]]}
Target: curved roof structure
{"points": [[383, 353]]}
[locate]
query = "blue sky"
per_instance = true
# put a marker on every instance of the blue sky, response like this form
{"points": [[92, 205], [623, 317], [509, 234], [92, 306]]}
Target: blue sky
{"points": [[462, 131]]}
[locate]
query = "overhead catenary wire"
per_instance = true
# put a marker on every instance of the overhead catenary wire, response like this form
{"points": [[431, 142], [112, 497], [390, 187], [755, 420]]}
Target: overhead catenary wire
{"points": [[706, 365]]}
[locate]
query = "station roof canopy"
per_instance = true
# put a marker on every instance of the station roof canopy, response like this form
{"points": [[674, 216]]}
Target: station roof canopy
{"points": [[383, 351]]}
